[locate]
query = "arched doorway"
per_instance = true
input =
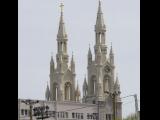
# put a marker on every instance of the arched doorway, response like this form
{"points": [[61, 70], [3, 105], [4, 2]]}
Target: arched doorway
{"points": [[67, 88]]}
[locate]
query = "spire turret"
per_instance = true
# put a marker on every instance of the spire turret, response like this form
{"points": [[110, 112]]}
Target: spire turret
{"points": [[47, 94], [78, 93], [62, 35], [100, 30], [85, 87], [61, 31], [89, 56], [100, 26], [117, 85], [72, 64], [51, 65], [84, 83], [111, 54]]}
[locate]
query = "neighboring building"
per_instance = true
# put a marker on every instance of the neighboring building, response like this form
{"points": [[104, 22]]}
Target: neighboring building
{"points": [[99, 87]]}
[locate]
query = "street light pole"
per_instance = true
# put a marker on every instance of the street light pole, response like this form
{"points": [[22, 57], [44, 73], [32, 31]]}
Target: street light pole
{"points": [[114, 105], [30, 103], [136, 106]]}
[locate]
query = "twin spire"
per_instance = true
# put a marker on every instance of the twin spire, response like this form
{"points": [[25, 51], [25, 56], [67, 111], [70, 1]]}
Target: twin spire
{"points": [[61, 31], [100, 21]]}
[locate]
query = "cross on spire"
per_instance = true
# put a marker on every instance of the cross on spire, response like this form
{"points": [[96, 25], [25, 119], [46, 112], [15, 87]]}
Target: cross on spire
{"points": [[61, 6]]}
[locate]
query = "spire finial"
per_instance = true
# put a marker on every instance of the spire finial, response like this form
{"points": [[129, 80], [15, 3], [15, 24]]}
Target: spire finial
{"points": [[52, 61], [99, 7], [72, 56], [61, 6], [111, 50]]}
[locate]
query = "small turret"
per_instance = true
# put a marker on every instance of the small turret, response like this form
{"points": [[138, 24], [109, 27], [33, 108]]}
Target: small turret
{"points": [[89, 56], [85, 87], [47, 94], [100, 26], [78, 93], [51, 65], [117, 86], [61, 31], [72, 64], [111, 56]]}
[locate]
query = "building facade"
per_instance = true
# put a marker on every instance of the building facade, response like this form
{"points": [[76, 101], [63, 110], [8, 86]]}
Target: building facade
{"points": [[101, 89]]}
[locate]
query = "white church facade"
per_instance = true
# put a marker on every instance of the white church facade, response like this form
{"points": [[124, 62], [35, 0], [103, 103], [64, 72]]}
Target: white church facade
{"points": [[101, 89]]}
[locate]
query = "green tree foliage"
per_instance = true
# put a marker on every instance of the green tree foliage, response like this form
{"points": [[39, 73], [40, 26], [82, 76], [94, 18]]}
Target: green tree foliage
{"points": [[130, 117]]}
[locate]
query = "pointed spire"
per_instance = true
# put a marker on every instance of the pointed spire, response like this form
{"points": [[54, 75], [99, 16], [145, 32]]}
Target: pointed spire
{"points": [[85, 79], [61, 31], [77, 86], [51, 65], [99, 7], [77, 89], [47, 95], [84, 83], [72, 64], [72, 60], [52, 61], [111, 50], [100, 21], [89, 51], [117, 85], [111, 55]]}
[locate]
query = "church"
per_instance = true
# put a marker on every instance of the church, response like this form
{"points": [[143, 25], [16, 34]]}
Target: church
{"points": [[101, 89]]}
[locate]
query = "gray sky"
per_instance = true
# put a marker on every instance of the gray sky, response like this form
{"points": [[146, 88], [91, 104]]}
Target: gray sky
{"points": [[37, 29]]}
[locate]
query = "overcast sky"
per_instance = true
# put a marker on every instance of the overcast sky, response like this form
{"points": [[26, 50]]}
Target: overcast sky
{"points": [[37, 29]]}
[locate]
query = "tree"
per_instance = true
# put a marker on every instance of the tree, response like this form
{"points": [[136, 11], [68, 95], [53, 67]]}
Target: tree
{"points": [[131, 117]]}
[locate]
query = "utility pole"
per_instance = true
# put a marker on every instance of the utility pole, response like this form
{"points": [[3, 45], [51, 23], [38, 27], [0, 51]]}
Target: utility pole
{"points": [[114, 105], [136, 106], [30, 103]]}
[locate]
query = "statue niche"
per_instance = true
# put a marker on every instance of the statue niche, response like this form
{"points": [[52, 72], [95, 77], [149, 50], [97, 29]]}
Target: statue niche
{"points": [[55, 91], [68, 90], [93, 85], [106, 84]]}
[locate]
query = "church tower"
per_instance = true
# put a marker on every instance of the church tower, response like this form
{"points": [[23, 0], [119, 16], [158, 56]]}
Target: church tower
{"points": [[101, 85], [62, 76], [101, 68]]}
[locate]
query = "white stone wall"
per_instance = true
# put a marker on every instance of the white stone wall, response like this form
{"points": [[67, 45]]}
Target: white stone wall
{"points": [[69, 107]]}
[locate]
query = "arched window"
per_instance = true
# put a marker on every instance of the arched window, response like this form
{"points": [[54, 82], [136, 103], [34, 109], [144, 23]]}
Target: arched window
{"points": [[55, 91], [106, 84], [67, 91], [100, 37], [93, 85], [85, 90]]}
